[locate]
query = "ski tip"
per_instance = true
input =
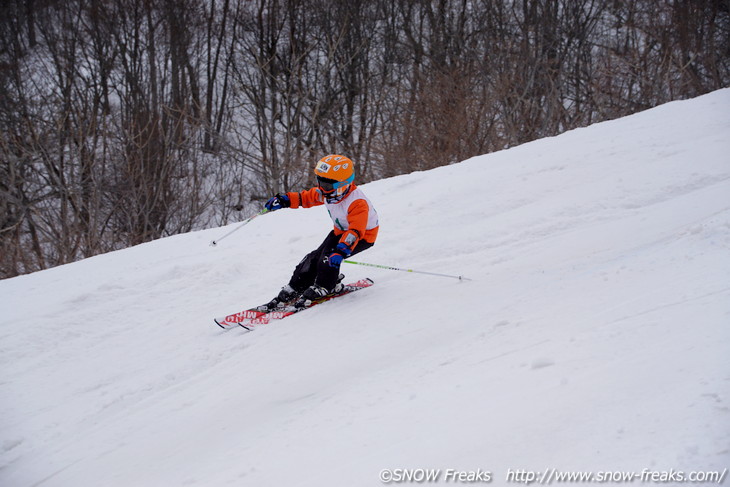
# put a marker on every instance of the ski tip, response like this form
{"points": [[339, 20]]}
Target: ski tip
{"points": [[223, 324]]}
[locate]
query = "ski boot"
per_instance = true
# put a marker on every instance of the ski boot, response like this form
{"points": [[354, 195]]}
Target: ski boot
{"points": [[285, 296], [315, 292]]}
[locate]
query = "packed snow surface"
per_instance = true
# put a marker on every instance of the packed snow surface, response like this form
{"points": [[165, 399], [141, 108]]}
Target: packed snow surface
{"points": [[595, 335]]}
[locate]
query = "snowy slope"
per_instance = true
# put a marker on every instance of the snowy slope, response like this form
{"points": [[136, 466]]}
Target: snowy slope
{"points": [[595, 335]]}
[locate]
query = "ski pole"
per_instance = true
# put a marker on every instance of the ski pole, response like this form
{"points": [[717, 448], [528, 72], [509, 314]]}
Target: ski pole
{"points": [[213, 243], [461, 278]]}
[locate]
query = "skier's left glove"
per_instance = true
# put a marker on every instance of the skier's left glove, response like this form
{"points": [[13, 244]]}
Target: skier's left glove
{"points": [[278, 202], [336, 257]]}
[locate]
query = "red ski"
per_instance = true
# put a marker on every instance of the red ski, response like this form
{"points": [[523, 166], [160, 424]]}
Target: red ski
{"points": [[250, 318]]}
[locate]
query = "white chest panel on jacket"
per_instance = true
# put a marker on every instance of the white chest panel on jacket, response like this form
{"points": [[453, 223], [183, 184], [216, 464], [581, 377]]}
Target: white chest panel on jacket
{"points": [[338, 211]]}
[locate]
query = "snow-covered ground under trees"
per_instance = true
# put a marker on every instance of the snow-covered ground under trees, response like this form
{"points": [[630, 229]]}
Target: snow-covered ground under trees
{"points": [[595, 335]]}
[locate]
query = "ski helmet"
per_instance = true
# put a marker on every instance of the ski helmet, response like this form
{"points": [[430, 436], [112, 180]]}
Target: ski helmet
{"points": [[335, 174]]}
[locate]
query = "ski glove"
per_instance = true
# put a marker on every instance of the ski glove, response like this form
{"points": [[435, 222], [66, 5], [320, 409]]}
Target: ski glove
{"points": [[278, 202], [336, 257]]}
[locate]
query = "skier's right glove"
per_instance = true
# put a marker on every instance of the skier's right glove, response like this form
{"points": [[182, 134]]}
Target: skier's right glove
{"points": [[338, 255], [278, 202]]}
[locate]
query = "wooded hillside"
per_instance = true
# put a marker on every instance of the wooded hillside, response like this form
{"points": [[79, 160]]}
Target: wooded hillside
{"points": [[123, 121]]}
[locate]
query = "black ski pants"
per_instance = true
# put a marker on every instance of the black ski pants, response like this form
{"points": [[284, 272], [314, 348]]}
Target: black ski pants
{"points": [[315, 268]]}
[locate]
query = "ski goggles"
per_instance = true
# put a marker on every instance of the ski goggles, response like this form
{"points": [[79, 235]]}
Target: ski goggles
{"points": [[329, 185]]}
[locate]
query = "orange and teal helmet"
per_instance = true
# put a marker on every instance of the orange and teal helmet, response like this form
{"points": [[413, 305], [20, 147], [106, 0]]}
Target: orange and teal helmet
{"points": [[335, 174]]}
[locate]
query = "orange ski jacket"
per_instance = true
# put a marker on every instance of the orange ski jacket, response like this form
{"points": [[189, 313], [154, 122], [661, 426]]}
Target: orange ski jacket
{"points": [[354, 217]]}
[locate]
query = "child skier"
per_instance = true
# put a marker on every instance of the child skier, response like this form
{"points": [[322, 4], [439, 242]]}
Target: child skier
{"points": [[355, 229]]}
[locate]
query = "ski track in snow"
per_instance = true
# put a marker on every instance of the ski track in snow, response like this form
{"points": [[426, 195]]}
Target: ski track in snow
{"points": [[595, 335]]}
